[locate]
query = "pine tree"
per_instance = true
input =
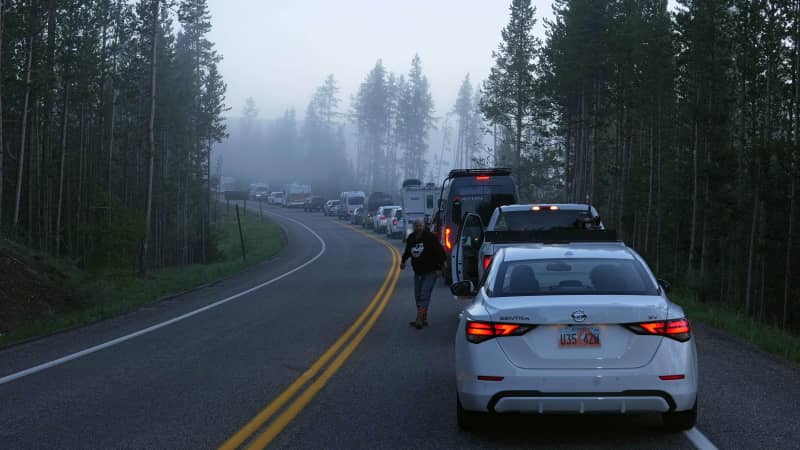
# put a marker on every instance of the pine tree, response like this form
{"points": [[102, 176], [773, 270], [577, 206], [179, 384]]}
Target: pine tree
{"points": [[415, 119], [509, 94], [371, 114], [464, 110]]}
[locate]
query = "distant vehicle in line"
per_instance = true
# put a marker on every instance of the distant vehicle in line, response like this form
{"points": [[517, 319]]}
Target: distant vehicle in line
{"points": [[395, 223], [275, 198], [375, 200], [313, 203], [296, 194], [418, 201], [349, 201], [381, 218], [356, 217], [259, 192], [330, 207]]}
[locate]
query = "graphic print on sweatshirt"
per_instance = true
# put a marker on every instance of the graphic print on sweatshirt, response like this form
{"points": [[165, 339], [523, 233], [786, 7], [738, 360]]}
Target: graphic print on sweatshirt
{"points": [[417, 250]]}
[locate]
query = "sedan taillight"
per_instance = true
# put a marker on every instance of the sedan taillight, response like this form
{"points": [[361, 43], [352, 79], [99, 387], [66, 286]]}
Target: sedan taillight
{"points": [[478, 332], [678, 329]]}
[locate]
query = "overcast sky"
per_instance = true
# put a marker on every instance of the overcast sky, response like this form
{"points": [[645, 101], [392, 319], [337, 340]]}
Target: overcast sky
{"points": [[278, 52]]}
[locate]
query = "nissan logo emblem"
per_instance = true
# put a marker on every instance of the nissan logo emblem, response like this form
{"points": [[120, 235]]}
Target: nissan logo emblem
{"points": [[579, 316]]}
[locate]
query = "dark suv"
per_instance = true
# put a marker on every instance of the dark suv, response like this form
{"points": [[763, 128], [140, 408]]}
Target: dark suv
{"points": [[477, 191], [313, 203]]}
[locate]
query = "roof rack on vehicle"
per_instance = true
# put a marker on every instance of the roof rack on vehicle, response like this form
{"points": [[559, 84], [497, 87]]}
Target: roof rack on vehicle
{"points": [[552, 236], [496, 171], [411, 182]]}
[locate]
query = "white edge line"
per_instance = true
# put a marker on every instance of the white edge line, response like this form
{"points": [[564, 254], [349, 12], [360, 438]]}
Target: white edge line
{"points": [[699, 440], [119, 340]]}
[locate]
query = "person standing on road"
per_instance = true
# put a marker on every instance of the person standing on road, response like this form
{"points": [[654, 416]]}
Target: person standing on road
{"points": [[427, 257]]}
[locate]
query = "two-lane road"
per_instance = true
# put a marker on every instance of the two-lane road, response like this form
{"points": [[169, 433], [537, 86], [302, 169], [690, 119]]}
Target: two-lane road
{"points": [[197, 382]]}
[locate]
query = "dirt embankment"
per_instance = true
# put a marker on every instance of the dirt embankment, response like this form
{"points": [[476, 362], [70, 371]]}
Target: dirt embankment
{"points": [[30, 288]]}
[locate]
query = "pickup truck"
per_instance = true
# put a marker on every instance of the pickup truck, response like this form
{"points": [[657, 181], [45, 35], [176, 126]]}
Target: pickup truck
{"points": [[515, 225]]}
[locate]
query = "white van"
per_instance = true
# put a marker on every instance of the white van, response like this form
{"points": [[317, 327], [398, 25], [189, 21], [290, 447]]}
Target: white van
{"points": [[418, 201], [349, 201]]}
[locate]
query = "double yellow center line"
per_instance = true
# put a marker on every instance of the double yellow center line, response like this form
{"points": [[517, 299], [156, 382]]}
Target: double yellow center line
{"points": [[266, 426]]}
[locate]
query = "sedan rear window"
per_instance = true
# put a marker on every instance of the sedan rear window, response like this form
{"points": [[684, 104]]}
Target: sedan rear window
{"points": [[538, 220], [572, 277]]}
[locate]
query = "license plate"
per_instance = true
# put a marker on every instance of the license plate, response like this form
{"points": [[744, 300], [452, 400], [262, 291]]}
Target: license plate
{"points": [[579, 337]]}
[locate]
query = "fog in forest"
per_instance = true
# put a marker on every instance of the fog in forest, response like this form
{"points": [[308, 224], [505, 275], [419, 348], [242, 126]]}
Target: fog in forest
{"points": [[279, 54]]}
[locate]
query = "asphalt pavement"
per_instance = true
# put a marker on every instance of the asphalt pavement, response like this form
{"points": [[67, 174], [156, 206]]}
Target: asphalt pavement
{"points": [[196, 382]]}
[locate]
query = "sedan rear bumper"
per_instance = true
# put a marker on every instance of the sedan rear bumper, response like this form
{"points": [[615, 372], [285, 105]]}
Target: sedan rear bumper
{"points": [[581, 403], [601, 390]]}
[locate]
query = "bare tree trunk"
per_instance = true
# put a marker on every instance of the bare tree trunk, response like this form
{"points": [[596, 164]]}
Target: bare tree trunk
{"points": [[61, 170], [208, 202], [752, 252], [20, 172], [787, 283], [695, 193], [151, 139], [111, 139], [650, 194], [704, 240], [2, 147], [518, 142], [658, 191]]}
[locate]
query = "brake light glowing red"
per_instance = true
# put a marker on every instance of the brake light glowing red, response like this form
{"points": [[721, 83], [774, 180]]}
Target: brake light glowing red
{"points": [[448, 245], [505, 329], [678, 329], [482, 178], [486, 261], [481, 331], [394, 222]]}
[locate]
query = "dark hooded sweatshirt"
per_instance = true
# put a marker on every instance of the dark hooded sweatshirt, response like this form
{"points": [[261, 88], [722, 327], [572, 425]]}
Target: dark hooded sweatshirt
{"points": [[426, 253]]}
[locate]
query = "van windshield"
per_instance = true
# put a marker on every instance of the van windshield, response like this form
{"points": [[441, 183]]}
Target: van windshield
{"points": [[355, 201], [482, 199]]}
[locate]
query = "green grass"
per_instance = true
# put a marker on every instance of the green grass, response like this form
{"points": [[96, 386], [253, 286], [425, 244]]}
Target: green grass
{"points": [[107, 293], [766, 337]]}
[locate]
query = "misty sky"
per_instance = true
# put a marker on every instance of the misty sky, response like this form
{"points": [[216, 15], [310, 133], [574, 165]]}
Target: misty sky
{"points": [[278, 52]]}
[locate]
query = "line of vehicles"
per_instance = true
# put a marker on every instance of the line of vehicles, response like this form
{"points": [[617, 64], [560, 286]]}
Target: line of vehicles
{"points": [[563, 318]]}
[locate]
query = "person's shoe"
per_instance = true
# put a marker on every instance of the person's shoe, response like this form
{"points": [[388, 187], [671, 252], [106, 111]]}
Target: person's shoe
{"points": [[418, 322], [424, 317]]}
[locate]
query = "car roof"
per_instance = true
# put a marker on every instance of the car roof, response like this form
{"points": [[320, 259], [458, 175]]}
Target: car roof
{"points": [[583, 250]]}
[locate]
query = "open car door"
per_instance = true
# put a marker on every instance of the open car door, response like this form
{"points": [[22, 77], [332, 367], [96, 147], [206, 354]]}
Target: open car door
{"points": [[468, 244]]}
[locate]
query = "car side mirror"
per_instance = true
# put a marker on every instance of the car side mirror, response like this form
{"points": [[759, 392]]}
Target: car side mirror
{"points": [[665, 286], [463, 289]]}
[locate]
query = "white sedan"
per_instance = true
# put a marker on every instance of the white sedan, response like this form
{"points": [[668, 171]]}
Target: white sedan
{"points": [[573, 329]]}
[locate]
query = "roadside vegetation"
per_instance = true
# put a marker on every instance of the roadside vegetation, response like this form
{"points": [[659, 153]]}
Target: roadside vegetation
{"points": [[43, 295], [769, 338]]}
